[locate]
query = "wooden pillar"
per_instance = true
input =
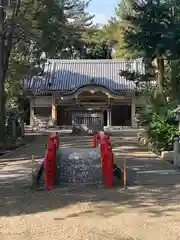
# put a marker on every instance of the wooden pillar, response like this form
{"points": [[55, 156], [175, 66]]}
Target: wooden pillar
{"points": [[133, 114], [31, 112], [109, 120], [110, 117], [54, 112]]}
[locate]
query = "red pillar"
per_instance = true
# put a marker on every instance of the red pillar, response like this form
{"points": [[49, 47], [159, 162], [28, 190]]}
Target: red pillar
{"points": [[50, 164], [95, 141], [110, 166], [107, 157]]}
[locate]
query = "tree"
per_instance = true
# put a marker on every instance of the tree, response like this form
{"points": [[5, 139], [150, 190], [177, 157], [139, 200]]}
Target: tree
{"points": [[27, 28], [62, 24], [95, 45], [172, 80], [98, 51], [151, 29]]}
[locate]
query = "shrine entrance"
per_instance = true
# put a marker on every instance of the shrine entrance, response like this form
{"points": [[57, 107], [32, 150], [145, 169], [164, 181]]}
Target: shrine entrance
{"points": [[93, 107]]}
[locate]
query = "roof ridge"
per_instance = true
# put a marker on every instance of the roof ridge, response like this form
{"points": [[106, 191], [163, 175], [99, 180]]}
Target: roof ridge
{"points": [[91, 60]]}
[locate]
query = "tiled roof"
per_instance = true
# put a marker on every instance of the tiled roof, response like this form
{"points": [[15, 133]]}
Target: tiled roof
{"points": [[68, 75]]}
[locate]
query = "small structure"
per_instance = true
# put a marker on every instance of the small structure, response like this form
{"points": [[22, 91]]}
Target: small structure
{"points": [[84, 94]]}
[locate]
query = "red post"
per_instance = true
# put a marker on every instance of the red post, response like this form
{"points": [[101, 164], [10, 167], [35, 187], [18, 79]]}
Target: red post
{"points": [[110, 165], [95, 141], [107, 169], [107, 157], [50, 164], [109, 146], [104, 149], [104, 145], [98, 138]]}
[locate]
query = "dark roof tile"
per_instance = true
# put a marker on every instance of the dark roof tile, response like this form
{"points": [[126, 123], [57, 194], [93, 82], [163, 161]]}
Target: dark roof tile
{"points": [[67, 75]]}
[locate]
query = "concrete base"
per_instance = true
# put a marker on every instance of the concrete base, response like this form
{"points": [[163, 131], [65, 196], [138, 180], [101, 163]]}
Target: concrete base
{"points": [[167, 156]]}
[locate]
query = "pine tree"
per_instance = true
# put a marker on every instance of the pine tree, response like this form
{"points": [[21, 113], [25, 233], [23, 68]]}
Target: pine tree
{"points": [[27, 28], [151, 29]]}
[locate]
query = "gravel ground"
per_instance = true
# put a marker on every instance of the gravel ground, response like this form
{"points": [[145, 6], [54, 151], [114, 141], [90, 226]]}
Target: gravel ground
{"points": [[146, 210]]}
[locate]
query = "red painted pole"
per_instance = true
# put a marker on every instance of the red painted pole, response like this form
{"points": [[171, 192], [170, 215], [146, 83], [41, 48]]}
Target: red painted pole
{"points": [[105, 168], [54, 161], [110, 166], [50, 164], [107, 157], [95, 141], [98, 138], [104, 149], [104, 145]]}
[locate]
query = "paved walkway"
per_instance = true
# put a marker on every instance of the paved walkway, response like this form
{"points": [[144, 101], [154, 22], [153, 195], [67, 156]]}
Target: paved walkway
{"points": [[148, 209], [143, 167]]}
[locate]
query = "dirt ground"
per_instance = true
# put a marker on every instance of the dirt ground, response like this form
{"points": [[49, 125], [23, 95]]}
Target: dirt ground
{"points": [[148, 209]]}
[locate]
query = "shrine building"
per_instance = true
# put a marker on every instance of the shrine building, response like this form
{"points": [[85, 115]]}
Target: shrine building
{"points": [[84, 92]]}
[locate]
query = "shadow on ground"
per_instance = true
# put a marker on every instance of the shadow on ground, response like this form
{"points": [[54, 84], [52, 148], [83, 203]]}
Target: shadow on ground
{"points": [[154, 187], [156, 201]]}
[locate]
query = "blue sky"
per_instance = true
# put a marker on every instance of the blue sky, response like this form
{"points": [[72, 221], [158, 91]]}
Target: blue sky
{"points": [[103, 9]]}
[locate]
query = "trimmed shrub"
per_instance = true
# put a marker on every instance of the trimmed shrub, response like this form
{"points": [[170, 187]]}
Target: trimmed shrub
{"points": [[161, 127]]}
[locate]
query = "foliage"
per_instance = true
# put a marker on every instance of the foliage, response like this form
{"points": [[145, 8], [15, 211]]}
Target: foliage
{"points": [[160, 123], [112, 35], [95, 45], [150, 26], [157, 115], [50, 33], [62, 24], [161, 132], [172, 80], [29, 28], [98, 51], [150, 29]]}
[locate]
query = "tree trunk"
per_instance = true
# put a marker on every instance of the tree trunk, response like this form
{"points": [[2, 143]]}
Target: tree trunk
{"points": [[4, 63], [159, 93], [5, 50], [2, 111], [160, 77], [22, 115], [2, 77]]}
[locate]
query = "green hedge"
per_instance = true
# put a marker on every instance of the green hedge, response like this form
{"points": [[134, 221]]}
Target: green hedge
{"points": [[161, 133], [161, 127]]}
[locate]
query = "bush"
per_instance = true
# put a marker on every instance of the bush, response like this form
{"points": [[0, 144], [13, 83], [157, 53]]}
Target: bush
{"points": [[161, 133], [160, 125]]}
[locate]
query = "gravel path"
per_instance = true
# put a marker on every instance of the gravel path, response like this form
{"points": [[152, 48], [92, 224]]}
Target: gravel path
{"points": [[146, 210]]}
